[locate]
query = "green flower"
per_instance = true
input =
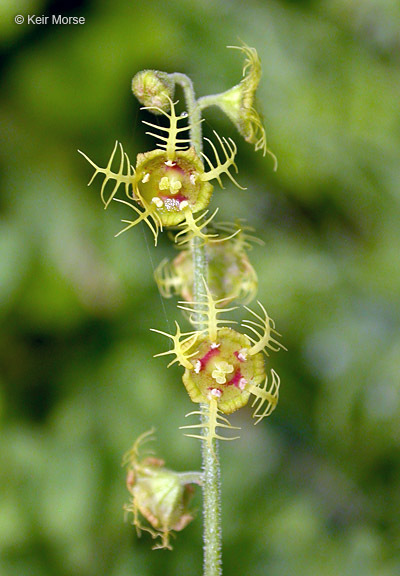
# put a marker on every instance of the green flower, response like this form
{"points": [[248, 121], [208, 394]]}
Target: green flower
{"points": [[230, 273], [224, 367], [170, 183], [239, 102], [160, 497]]}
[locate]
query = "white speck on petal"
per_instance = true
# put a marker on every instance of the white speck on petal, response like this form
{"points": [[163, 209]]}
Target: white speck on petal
{"points": [[157, 201], [243, 354], [242, 383]]}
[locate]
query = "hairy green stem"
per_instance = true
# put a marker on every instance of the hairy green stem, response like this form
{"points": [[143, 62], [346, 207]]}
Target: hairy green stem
{"points": [[210, 100], [211, 466], [191, 478]]}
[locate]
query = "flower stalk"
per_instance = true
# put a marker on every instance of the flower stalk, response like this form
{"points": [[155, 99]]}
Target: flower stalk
{"points": [[212, 533]]}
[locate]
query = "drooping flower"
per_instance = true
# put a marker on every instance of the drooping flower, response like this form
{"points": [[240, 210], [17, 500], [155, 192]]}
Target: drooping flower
{"points": [[239, 102], [159, 496], [224, 367]]}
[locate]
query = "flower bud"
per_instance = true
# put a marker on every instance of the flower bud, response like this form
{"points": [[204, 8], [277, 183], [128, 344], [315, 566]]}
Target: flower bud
{"points": [[154, 89]]}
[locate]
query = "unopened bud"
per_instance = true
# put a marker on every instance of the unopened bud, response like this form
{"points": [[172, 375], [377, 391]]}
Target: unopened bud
{"points": [[154, 89]]}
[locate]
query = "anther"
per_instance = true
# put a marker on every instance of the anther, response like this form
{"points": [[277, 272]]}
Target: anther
{"points": [[146, 178]]}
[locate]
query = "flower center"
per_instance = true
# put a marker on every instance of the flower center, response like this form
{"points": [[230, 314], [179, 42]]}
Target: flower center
{"points": [[172, 184], [221, 369]]}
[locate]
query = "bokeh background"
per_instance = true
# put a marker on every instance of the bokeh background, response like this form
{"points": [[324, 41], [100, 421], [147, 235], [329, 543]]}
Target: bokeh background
{"points": [[313, 490]]}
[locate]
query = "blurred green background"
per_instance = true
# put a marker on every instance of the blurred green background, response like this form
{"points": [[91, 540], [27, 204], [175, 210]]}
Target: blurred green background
{"points": [[314, 490]]}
